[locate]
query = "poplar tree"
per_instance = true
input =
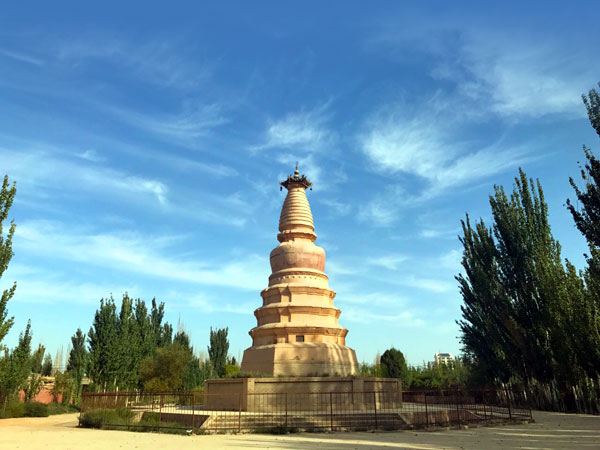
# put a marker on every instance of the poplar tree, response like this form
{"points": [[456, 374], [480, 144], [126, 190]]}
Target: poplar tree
{"points": [[78, 360], [7, 196], [103, 345], [218, 349]]}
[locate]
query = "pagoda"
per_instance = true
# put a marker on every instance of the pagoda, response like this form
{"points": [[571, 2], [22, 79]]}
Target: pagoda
{"points": [[297, 332]]}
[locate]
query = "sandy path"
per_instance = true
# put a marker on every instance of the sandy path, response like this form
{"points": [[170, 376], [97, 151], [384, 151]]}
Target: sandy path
{"points": [[551, 431]]}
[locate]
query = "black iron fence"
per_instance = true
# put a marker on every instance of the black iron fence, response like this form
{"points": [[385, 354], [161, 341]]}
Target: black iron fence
{"points": [[193, 412]]}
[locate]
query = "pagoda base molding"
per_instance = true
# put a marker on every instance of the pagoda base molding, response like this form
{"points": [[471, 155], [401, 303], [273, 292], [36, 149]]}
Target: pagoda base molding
{"points": [[301, 393], [300, 360]]}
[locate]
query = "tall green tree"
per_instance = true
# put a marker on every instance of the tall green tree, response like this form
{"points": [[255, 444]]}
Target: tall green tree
{"points": [[47, 365], [395, 364], [7, 196], [104, 346], [218, 349], [515, 291], [78, 360], [37, 358], [17, 367]]}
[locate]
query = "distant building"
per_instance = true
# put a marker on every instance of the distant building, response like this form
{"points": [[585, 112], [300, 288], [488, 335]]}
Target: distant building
{"points": [[443, 358]]}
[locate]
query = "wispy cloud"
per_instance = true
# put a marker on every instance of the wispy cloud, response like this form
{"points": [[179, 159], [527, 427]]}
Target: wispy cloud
{"points": [[361, 315], [304, 130], [390, 262], [22, 57], [336, 207], [159, 61], [422, 149], [521, 78], [195, 121], [91, 155], [37, 285], [40, 172], [139, 254]]}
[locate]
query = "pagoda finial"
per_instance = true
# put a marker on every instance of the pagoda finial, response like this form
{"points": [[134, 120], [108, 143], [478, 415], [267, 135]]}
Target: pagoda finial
{"points": [[296, 180]]}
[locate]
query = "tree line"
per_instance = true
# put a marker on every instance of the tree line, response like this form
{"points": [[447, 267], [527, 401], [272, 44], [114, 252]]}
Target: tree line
{"points": [[529, 318], [130, 348]]}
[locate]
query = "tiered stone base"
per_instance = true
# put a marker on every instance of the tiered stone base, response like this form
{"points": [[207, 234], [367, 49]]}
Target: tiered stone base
{"points": [[300, 360], [301, 393]]}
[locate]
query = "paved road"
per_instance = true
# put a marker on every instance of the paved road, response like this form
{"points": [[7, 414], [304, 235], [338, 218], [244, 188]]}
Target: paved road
{"points": [[551, 431]]}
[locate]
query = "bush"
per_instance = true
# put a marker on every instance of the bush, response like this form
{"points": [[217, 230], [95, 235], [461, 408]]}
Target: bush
{"points": [[13, 408], [58, 408], [107, 418], [36, 409]]}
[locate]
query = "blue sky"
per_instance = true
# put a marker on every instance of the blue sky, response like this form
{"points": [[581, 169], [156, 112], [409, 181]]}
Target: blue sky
{"points": [[147, 145]]}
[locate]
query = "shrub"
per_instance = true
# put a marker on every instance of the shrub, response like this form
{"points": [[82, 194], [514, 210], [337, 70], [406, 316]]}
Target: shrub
{"points": [[36, 409], [13, 408], [58, 408], [107, 418]]}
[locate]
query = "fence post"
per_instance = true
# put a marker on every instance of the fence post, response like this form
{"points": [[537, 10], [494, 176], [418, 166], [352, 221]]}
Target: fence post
{"points": [[193, 408], [331, 411], [375, 408], [509, 410], [426, 411], [160, 405], [457, 409], [484, 410], [286, 411], [240, 415]]}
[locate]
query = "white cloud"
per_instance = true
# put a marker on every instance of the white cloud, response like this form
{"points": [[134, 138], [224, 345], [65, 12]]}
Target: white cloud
{"points": [[520, 77], [91, 155], [144, 255], [22, 57], [304, 130], [337, 207], [390, 262], [41, 172], [451, 260], [195, 121], [161, 62], [360, 315], [427, 284]]}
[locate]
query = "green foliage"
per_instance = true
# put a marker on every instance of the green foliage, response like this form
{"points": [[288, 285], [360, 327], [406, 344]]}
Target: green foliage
{"points": [[37, 358], [231, 371], [12, 408], [33, 386], [395, 365], [592, 104], [119, 342], [372, 370], [64, 387], [60, 408], [441, 376], [78, 361], [15, 366], [47, 366], [99, 418], [36, 409], [217, 351], [165, 370], [7, 196]]}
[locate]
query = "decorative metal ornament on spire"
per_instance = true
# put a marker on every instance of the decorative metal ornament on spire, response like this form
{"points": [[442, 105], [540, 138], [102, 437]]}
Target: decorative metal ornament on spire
{"points": [[296, 180]]}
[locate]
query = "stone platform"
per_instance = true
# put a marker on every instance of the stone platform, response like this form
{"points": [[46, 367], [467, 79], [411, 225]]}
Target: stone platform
{"points": [[301, 393]]}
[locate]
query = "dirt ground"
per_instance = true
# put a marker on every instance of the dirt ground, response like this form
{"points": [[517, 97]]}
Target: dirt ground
{"points": [[551, 431]]}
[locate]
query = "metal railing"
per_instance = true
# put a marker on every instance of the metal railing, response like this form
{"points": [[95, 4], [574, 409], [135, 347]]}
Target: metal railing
{"points": [[194, 412]]}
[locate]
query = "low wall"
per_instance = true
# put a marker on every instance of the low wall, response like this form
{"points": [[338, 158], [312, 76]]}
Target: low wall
{"points": [[299, 393]]}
